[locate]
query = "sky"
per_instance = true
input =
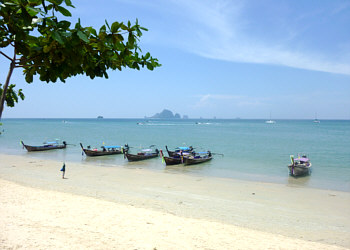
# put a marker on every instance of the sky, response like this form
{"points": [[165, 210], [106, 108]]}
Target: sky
{"points": [[252, 59]]}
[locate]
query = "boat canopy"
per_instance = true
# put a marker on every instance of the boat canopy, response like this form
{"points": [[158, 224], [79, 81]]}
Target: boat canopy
{"points": [[184, 153], [184, 148], [302, 159], [146, 150], [51, 142], [108, 147]]}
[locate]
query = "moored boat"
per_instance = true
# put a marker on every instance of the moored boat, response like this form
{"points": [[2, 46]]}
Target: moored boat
{"points": [[270, 121], [178, 150], [172, 160], [316, 120], [176, 159], [46, 146], [300, 166], [198, 158], [144, 154], [105, 150]]}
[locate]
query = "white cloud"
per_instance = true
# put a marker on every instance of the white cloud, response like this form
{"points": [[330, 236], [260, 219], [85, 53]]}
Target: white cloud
{"points": [[231, 43], [210, 100], [224, 30]]}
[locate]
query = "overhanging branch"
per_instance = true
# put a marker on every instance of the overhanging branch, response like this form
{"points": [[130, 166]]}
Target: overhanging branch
{"points": [[2, 53], [28, 65]]}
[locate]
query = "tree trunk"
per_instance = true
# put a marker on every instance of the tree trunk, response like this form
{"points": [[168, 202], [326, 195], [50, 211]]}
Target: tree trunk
{"points": [[3, 96]]}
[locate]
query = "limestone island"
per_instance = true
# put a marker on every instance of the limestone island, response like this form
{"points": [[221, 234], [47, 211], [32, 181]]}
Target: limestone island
{"points": [[167, 114]]}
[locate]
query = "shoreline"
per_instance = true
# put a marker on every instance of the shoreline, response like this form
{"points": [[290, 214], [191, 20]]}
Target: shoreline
{"points": [[313, 216], [109, 162]]}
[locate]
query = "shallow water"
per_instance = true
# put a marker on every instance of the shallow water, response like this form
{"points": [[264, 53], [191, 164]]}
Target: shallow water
{"points": [[252, 149]]}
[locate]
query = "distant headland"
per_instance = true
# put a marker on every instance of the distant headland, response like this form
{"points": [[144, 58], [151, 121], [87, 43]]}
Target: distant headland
{"points": [[167, 114]]}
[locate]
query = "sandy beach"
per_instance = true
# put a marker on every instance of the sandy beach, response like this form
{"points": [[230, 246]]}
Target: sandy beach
{"points": [[101, 207]]}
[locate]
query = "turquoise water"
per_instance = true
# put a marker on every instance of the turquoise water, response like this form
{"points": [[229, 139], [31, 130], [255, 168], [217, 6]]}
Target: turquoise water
{"points": [[253, 150]]}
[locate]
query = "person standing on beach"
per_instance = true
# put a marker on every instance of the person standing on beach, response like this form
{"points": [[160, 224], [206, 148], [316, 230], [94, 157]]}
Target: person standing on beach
{"points": [[63, 169]]}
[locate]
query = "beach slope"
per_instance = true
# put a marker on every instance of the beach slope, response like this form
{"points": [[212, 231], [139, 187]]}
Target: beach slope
{"points": [[100, 207]]}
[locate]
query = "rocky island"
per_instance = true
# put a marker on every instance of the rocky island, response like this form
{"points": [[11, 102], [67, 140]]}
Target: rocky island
{"points": [[166, 114]]}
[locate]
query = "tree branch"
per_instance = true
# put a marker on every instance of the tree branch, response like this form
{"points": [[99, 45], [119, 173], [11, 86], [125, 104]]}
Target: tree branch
{"points": [[4, 91], [29, 65], [6, 56], [27, 59]]}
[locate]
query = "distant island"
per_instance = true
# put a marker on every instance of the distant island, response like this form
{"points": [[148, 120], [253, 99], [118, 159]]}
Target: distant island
{"points": [[99, 117], [167, 114]]}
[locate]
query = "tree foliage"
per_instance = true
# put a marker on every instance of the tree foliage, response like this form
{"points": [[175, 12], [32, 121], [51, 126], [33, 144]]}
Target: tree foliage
{"points": [[55, 49], [12, 95]]}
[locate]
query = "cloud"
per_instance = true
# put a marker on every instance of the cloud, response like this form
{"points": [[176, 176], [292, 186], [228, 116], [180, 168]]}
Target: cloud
{"points": [[226, 35], [275, 56], [340, 8], [226, 30], [211, 100]]}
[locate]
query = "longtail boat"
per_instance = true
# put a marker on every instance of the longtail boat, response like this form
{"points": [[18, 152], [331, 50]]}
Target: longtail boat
{"points": [[198, 158], [105, 150], [145, 154], [300, 166], [46, 146], [178, 150], [172, 160], [176, 159]]}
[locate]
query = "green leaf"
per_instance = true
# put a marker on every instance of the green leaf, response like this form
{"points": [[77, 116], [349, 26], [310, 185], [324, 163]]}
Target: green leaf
{"points": [[102, 35], [92, 31], [82, 36], [46, 49], [29, 78], [56, 36], [150, 66], [32, 11], [64, 11], [21, 95], [107, 25], [63, 25], [123, 27], [119, 46], [139, 33], [131, 40], [68, 3], [103, 28], [35, 2], [115, 27], [56, 2], [13, 4]]}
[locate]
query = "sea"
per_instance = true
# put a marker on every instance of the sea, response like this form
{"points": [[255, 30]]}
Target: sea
{"points": [[250, 150]]}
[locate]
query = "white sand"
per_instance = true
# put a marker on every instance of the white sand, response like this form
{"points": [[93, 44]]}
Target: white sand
{"points": [[104, 207]]}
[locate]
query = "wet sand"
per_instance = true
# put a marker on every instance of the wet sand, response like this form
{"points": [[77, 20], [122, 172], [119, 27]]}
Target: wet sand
{"points": [[131, 208]]}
